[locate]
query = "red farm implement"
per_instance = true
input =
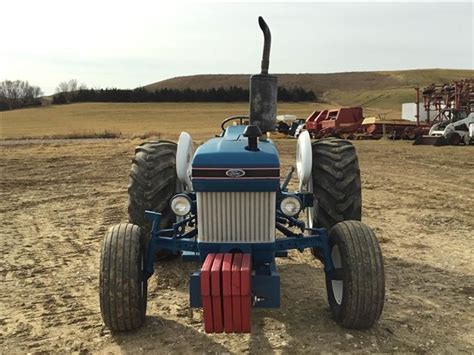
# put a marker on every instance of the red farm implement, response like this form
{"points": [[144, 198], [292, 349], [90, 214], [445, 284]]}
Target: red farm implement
{"points": [[342, 122]]}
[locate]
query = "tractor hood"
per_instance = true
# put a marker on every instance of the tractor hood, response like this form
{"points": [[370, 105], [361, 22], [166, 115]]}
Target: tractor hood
{"points": [[224, 164]]}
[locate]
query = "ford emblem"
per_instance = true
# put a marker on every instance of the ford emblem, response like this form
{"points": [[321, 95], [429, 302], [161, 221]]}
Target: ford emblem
{"points": [[235, 173]]}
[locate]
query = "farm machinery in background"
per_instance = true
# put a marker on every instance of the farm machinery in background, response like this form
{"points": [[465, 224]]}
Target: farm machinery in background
{"points": [[445, 117], [290, 125], [449, 110], [222, 206], [342, 122], [350, 123]]}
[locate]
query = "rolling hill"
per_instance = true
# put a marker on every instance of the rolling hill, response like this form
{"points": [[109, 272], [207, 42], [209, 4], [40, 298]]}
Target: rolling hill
{"points": [[380, 91]]}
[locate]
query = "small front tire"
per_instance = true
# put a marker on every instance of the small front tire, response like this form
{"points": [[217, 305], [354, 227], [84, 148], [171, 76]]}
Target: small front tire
{"points": [[453, 138], [356, 290], [123, 287]]}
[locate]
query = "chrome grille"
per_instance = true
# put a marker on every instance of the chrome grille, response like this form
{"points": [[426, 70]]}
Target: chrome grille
{"points": [[236, 217]]}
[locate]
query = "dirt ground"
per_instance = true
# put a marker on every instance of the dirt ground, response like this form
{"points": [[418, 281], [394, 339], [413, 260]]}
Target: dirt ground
{"points": [[58, 199]]}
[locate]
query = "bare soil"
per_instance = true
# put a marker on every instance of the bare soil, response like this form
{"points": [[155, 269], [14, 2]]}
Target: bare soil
{"points": [[58, 200]]}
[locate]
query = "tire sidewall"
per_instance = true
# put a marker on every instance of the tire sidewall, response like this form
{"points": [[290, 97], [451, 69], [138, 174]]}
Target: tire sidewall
{"points": [[143, 281]]}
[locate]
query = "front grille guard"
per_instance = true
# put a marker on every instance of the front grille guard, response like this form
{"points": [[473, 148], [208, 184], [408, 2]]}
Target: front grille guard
{"points": [[175, 240]]}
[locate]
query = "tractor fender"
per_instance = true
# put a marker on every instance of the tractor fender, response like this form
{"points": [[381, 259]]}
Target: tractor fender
{"points": [[184, 157], [304, 159]]}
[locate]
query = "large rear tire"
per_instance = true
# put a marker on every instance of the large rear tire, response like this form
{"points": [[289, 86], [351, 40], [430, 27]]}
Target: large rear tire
{"points": [[356, 293], [153, 182], [335, 183], [123, 287]]}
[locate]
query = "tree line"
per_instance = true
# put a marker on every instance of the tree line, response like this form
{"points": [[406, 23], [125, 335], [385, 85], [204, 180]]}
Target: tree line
{"points": [[20, 94], [229, 94], [17, 94]]}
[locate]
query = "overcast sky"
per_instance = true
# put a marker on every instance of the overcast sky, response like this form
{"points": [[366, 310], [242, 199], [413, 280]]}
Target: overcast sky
{"points": [[134, 43]]}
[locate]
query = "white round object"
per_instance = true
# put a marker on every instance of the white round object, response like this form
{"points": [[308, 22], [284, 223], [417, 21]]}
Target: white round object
{"points": [[184, 157], [181, 205], [304, 159], [290, 206], [288, 119], [337, 285]]}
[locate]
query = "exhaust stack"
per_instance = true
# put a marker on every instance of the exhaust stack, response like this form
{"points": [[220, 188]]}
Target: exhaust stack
{"points": [[264, 88]]}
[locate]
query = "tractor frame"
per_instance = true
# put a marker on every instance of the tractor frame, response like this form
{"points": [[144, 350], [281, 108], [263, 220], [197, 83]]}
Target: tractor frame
{"points": [[265, 281]]}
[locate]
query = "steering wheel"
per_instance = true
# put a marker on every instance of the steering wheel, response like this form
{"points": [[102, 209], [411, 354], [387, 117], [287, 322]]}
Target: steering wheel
{"points": [[233, 118]]}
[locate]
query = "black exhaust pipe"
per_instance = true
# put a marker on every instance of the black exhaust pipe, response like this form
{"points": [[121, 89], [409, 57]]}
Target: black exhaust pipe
{"points": [[267, 42], [264, 88]]}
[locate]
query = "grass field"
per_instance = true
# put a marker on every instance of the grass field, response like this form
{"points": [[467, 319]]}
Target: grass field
{"points": [[375, 91], [320, 83], [130, 119]]}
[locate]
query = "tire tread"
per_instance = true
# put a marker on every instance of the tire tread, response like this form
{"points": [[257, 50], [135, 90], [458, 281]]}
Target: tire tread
{"points": [[152, 182], [336, 182], [121, 306], [364, 283]]}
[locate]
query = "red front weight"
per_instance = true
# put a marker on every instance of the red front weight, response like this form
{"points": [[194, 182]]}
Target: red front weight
{"points": [[236, 308], [206, 293], [246, 293], [226, 293], [216, 275]]}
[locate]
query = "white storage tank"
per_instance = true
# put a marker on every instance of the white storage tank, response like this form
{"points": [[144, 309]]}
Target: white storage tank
{"points": [[409, 112]]}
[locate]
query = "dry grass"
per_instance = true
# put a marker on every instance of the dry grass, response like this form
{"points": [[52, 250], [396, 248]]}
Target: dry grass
{"points": [[375, 91], [130, 119], [147, 135], [349, 81], [384, 90], [76, 135]]}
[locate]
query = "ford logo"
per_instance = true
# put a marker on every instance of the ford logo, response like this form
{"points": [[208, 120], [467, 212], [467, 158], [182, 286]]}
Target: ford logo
{"points": [[235, 173]]}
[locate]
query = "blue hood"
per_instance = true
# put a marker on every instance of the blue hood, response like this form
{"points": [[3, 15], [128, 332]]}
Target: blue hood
{"points": [[223, 164]]}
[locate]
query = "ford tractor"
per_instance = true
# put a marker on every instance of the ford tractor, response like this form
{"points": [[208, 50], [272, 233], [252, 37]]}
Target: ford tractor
{"points": [[226, 206]]}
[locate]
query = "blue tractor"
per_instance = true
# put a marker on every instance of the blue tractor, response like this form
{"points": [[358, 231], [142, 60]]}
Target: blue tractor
{"points": [[225, 206]]}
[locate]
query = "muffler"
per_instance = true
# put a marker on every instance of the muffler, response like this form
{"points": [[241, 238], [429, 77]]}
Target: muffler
{"points": [[264, 89]]}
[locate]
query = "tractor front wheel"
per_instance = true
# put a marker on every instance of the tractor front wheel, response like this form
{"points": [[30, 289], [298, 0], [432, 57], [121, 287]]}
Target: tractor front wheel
{"points": [[123, 287], [356, 290]]}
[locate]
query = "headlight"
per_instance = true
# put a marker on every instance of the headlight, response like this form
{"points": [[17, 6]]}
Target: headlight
{"points": [[290, 206], [181, 205]]}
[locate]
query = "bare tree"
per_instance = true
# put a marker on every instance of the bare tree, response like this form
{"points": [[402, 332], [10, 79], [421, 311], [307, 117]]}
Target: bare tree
{"points": [[69, 88], [18, 93]]}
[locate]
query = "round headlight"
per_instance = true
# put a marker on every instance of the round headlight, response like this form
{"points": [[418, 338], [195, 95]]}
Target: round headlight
{"points": [[181, 205], [290, 206]]}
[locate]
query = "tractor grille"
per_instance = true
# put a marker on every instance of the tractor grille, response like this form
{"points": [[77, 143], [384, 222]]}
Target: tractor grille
{"points": [[236, 217]]}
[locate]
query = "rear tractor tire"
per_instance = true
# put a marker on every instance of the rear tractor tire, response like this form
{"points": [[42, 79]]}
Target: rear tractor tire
{"points": [[122, 284], [356, 293], [335, 183], [153, 182]]}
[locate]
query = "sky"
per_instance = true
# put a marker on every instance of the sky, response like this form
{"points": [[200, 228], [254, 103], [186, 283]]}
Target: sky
{"points": [[133, 43]]}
